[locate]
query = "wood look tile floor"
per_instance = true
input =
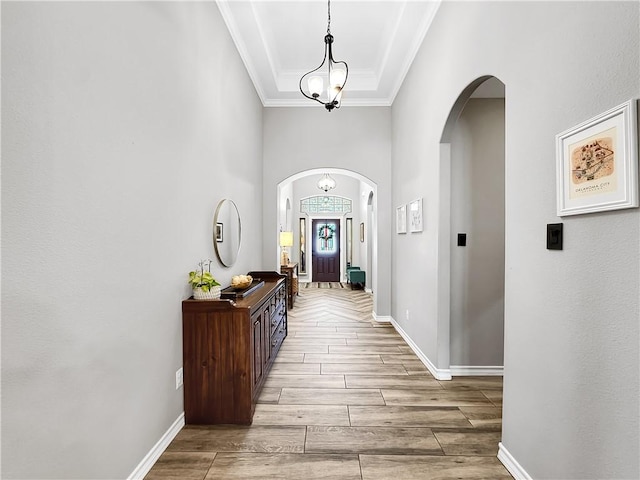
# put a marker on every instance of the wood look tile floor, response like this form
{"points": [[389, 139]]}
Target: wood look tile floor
{"points": [[347, 399]]}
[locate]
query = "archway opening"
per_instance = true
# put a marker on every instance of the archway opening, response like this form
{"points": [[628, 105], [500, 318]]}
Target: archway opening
{"points": [[472, 238], [471, 262], [309, 203]]}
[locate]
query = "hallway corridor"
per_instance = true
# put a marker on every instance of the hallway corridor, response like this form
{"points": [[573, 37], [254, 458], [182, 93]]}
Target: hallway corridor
{"points": [[347, 399]]}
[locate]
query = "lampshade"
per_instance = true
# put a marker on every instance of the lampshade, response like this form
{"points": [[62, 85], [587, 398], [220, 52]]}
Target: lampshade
{"points": [[286, 239], [315, 86], [338, 77]]}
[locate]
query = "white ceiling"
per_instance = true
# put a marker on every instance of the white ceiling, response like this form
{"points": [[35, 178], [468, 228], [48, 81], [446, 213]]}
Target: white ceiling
{"points": [[281, 40]]}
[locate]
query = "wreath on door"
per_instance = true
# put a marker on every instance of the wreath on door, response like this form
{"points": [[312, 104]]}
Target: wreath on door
{"points": [[326, 232]]}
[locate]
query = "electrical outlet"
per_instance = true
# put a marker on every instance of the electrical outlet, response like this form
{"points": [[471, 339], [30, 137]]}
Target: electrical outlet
{"points": [[406, 314], [179, 378]]}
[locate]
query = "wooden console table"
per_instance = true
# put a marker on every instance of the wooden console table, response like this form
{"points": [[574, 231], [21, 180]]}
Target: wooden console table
{"points": [[228, 349], [291, 271]]}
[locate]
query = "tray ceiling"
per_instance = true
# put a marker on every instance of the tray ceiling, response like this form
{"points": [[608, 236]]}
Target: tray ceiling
{"points": [[279, 41]]}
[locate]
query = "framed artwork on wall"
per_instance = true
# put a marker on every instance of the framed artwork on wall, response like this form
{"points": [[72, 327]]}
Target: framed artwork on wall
{"points": [[362, 232], [219, 232], [401, 219], [597, 163], [415, 216]]}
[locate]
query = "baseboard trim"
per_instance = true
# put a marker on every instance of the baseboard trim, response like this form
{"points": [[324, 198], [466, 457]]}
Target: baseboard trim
{"points": [[473, 370], [510, 463], [438, 373], [381, 318], [154, 454]]}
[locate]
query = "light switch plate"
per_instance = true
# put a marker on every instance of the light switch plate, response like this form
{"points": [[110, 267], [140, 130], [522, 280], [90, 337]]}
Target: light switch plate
{"points": [[554, 236]]}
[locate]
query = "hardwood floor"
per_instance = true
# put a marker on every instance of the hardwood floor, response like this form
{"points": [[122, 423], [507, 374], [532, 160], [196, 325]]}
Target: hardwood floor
{"points": [[347, 399]]}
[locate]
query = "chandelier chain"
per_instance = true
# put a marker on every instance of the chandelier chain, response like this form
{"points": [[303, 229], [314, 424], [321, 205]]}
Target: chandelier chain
{"points": [[329, 17]]}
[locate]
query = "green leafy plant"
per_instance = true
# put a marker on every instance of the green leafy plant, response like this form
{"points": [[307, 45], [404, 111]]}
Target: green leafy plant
{"points": [[201, 278]]}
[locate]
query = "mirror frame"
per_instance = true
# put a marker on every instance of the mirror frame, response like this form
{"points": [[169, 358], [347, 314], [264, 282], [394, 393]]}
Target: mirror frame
{"points": [[226, 262]]}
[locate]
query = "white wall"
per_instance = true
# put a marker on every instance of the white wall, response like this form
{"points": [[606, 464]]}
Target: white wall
{"points": [[123, 125], [477, 209], [356, 139], [571, 384], [285, 202]]}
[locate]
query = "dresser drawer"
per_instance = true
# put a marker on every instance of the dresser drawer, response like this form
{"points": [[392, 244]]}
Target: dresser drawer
{"points": [[277, 317], [277, 338]]}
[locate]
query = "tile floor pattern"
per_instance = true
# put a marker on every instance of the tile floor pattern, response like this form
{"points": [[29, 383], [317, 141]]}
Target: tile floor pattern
{"points": [[348, 399]]}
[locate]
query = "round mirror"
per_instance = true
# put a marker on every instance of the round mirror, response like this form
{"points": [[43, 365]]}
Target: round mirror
{"points": [[227, 232]]}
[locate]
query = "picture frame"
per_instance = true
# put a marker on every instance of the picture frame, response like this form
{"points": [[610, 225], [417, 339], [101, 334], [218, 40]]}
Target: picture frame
{"points": [[415, 216], [219, 232], [597, 163], [362, 232], [401, 219]]}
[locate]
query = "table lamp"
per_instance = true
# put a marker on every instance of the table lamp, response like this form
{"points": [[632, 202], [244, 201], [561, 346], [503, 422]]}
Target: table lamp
{"points": [[286, 240]]}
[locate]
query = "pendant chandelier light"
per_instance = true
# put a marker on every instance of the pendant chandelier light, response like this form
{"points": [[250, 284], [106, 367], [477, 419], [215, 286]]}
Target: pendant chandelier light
{"points": [[326, 183], [330, 74]]}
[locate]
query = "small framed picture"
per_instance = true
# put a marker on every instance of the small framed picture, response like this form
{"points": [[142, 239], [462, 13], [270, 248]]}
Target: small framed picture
{"points": [[219, 232], [415, 216], [597, 163], [362, 232], [401, 219]]}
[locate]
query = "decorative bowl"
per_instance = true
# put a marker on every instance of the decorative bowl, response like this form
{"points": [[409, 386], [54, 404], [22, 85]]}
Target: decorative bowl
{"points": [[241, 281]]}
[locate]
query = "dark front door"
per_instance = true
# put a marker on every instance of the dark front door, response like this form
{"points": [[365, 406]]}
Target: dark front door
{"points": [[325, 254]]}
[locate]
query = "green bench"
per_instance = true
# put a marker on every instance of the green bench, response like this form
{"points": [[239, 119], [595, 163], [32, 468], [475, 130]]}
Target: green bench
{"points": [[356, 277]]}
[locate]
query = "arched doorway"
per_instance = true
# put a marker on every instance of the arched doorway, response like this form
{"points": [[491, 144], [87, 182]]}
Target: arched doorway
{"points": [[471, 253], [361, 192], [371, 217]]}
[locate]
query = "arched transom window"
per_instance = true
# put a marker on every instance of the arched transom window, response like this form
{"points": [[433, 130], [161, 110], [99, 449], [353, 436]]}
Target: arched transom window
{"points": [[325, 204]]}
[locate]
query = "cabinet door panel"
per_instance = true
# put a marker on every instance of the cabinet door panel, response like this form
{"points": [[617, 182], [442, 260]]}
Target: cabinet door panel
{"points": [[221, 363], [195, 366], [266, 335], [256, 351]]}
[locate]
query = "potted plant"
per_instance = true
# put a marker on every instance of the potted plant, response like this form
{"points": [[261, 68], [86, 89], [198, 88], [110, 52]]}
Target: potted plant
{"points": [[204, 286]]}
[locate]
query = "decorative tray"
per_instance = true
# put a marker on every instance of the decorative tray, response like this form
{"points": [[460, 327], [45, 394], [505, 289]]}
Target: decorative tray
{"points": [[232, 292]]}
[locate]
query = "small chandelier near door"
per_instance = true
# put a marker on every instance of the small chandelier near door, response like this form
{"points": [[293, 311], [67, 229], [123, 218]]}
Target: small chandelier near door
{"points": [[326, 183], [330, 73]]}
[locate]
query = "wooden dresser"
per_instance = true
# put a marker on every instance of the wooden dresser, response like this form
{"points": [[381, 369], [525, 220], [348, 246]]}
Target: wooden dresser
{"points": [[291, 271], [228, 349]]}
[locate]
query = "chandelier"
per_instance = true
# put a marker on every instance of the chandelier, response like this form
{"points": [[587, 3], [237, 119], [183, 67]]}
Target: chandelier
{"points": [[326, 183], [330, 73]]}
